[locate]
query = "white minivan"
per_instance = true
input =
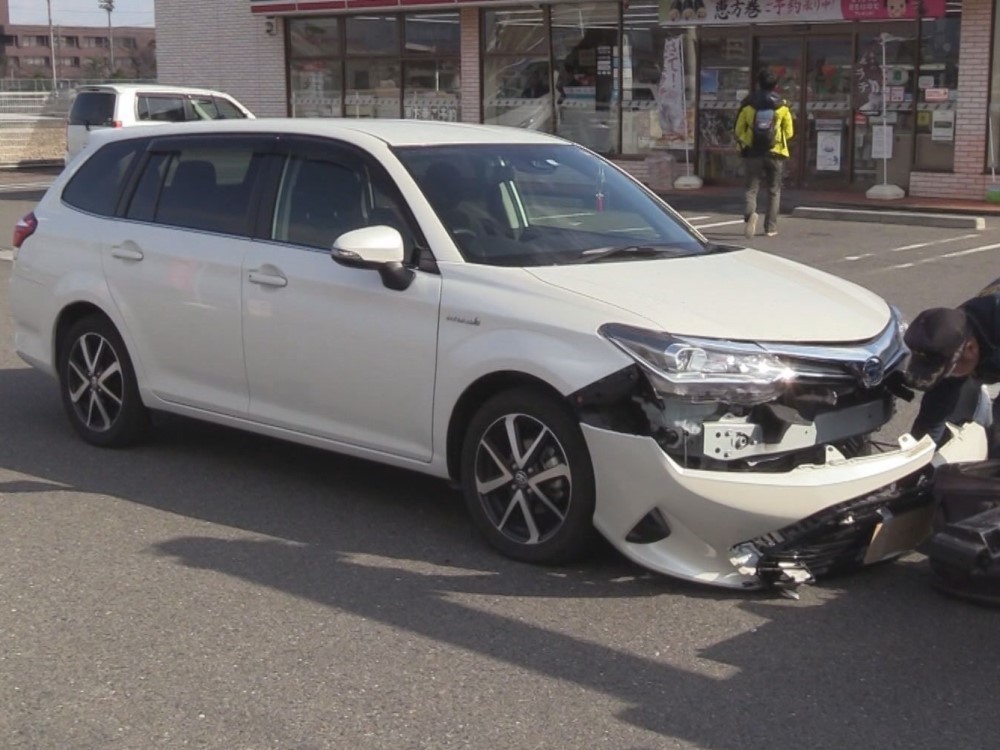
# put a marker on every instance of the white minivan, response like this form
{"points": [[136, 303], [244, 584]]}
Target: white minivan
{"points": [[125, 105], [489, 305]]}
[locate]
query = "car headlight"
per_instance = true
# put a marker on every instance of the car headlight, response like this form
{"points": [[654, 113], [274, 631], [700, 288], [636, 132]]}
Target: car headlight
{"points": [[703, 369]]}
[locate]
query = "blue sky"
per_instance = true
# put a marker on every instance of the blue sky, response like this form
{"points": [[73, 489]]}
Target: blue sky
{"points": [[82, 12]]}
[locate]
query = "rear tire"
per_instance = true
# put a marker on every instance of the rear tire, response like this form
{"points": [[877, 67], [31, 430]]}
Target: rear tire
{"points": [[527, 478], [98, 385]]}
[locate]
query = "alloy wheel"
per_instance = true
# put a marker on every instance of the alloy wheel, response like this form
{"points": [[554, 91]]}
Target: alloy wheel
{"points": [[95, 382], [523, 479]]}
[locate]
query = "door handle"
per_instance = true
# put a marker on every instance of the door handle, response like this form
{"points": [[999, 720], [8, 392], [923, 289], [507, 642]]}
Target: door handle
{"points": [[267, 279], [127, 251]]}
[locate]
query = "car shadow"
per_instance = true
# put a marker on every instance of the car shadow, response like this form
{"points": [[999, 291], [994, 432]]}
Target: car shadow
{"points": [[874, 660]]}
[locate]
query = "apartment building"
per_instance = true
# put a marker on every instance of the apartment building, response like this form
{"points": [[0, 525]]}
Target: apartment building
{"points": [[80, 52]]}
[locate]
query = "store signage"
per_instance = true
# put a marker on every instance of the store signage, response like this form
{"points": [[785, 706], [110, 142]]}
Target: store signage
{"points": [[695, 12], [290, 7]]}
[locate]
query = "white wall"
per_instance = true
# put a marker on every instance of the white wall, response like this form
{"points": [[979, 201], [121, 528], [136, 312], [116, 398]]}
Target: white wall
{"points": [[220, 44]]}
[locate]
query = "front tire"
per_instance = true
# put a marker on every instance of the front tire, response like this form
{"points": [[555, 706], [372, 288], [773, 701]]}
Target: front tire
{"points": [[98, 385], [528, 480]]}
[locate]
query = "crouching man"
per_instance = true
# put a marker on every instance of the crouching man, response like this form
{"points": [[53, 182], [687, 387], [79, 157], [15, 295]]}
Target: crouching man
{"points": [[953, 352]]}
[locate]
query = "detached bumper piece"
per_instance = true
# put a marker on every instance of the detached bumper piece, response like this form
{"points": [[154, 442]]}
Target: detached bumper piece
{"points": [[861, 531], [965, 558], [965, 552]]}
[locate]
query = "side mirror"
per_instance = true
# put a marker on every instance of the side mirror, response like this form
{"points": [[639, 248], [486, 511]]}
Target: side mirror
{"points": [[378, 248]]}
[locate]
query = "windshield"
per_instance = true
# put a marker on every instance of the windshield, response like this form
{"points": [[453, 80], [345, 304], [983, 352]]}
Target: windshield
{"points": [[536, 205]]}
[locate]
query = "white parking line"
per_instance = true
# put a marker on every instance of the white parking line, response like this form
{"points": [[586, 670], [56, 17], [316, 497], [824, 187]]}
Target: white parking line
{"points": [[7, 255], [915, 246], [696, 218], [718, 224], [956, 254], [16, 187]]}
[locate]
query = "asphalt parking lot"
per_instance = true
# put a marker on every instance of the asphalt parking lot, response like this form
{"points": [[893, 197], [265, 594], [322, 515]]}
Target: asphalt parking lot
{"points": [[221, 590]]}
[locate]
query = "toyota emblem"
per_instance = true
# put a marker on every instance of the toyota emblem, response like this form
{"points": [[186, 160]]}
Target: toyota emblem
{"points": [[872, 372]]}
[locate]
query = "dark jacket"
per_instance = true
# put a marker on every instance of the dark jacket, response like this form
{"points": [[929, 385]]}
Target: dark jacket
{"points": [[983, 312]]}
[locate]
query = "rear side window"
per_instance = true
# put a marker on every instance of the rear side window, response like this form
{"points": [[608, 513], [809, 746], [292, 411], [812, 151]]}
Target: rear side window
{"points": [[98, 183], [160, 108], [207, 189], [92, 108], [214, 108]]}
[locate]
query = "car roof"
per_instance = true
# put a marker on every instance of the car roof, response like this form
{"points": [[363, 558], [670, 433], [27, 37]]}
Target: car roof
{"points": [[152, 88], [391, 132]]}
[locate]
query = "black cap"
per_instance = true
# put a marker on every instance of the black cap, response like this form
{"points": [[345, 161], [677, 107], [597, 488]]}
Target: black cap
{"points": [[935, 339]]}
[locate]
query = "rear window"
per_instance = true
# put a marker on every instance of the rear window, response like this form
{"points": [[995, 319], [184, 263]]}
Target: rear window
{"points": [[93, 108], [98, 183]]}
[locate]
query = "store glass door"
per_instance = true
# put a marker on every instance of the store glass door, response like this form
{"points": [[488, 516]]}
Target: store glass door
{"points": [[783, 55], [823, 137]]}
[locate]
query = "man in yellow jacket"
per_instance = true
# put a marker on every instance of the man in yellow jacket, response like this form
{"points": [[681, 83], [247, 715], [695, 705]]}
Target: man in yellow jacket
{"points": [[763, 129]]}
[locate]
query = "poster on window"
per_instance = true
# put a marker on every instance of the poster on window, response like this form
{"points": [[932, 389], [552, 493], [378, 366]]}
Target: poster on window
{"points": [[943, 125], [828, 150], [670, 92], [692, 12], [882, 141]]}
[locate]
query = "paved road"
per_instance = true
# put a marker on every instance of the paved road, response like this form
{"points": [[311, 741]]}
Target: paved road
{"points": [[218, 590]]}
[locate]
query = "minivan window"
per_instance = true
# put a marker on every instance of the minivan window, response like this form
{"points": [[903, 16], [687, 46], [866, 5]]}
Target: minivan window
{"points": [[214, 108], [92, 108], [97, 185], [160, 108], [198, 188]]}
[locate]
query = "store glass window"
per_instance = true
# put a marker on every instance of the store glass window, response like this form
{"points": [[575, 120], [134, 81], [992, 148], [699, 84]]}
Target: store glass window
{"points": [[884, 120], [315, 67], [517, 77], [431, 70], [937, 91], [658, 83], [372, 84], [372, 35], [586, 50], [993, 135], [724, 81]]}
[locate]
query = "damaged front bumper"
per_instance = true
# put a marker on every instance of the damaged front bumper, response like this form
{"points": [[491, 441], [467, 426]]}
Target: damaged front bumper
{"points": [[754, 529]]}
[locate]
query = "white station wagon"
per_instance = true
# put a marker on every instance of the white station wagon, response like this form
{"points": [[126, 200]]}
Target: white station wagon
{"points": [[491, 305]]}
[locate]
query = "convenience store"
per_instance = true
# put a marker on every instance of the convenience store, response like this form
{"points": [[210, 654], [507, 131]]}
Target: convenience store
{"points": [[653, 85]]}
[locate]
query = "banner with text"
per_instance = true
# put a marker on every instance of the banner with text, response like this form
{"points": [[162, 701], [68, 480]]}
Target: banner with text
{"points": [[692, 12], [293, 7]]}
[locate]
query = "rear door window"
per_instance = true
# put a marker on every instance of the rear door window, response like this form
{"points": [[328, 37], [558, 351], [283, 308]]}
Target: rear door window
{"points": [[209, 188], [92, 109], [160, 108], [214, 108], [97, 185]]}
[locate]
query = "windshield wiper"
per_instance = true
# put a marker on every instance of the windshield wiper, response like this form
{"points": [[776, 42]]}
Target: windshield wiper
{"points": [[630, 251]]}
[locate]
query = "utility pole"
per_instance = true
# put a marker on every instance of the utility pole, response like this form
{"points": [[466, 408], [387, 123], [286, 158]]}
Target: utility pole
{"points": [[109, 6], [52, 46]]}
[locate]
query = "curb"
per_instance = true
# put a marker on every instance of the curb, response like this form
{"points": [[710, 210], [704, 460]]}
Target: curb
{"points": [[913, 218]]}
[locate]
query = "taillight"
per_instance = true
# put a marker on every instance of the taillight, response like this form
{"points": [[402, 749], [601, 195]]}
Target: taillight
{"points": [[24, 228], [116, 124]]}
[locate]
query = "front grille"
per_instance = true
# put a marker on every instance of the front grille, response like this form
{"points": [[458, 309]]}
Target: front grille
{"points": [[836, 539]]}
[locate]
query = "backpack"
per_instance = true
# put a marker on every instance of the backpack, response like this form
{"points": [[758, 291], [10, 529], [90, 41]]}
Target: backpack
{"points": [[764, 122]]}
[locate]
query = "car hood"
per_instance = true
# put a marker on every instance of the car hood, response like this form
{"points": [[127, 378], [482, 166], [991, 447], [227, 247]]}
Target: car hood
{"points": [[745, 295]]}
